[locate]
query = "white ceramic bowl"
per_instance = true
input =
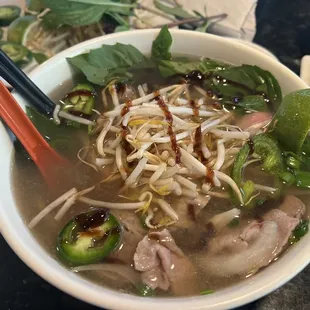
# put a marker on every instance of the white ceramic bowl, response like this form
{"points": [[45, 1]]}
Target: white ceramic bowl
{"points": [[56, 71]]}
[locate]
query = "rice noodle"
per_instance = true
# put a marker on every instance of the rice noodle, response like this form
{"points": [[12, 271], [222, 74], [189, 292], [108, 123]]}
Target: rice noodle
{"points": [[77, 119], [111, 205], [70, 202], [51, 207], [122, 271]]}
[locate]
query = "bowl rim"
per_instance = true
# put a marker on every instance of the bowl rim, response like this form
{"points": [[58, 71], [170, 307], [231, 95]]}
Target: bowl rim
{"points": [[83, 290]]}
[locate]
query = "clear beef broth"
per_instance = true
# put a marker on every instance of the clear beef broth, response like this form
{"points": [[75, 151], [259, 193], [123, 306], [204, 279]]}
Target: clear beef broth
{"points": [[192, 239]]}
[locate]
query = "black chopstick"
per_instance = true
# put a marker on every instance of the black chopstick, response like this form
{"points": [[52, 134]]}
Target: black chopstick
{"points": [[23, 85]]}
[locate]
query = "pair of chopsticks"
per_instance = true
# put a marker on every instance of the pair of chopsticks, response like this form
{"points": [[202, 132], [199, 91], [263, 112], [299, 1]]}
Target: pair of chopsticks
{"points": [[23, 85]]}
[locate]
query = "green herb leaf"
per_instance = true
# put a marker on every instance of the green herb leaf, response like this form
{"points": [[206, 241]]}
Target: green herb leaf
{"points": [[177, 11], [206, 292], [121, 28], [169, 67], [253, 103], [234, 222], [39, 57], [35, 5], [161, 45], [291, 123], [109, 62], [248, 81], [145, 291], [74, 13], [301, 230]]}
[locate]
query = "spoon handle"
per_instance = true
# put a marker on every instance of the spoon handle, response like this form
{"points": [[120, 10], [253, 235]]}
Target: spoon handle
{"points": [[46, 158]]}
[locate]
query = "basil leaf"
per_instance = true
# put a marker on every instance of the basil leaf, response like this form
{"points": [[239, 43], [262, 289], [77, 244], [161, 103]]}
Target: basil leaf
{"points": [[74, 13], [291, 123], [82, 12], [121, 28], [251, 83], [169, 67], [253, 103], [161, 45], [110, 62], [116, 6], [176, 11]]}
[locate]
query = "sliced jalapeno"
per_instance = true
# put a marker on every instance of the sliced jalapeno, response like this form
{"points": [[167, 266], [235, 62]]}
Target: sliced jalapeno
{"points": [[17, 52], [89, 237], [8, 13], [81, 99]]}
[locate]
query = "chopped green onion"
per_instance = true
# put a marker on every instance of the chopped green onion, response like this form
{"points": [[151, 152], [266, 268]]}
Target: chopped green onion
{"points": [[234, 222], [287, 177], [300, 231], [293, 163], [206, 292], [145, 291], [302, 179]]}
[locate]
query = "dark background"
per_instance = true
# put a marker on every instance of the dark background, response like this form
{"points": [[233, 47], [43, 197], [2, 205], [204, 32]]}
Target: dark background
{"points": [[283, 27]]}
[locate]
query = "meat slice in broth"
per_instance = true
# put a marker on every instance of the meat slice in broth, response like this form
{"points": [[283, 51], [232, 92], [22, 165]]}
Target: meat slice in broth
{"points": [[293, 206], [244, 250], [164, 265], [287, 217], [241, 251], [132, 233]]}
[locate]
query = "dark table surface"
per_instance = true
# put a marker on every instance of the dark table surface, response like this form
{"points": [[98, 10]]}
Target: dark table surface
{"points": [[283, 27]]}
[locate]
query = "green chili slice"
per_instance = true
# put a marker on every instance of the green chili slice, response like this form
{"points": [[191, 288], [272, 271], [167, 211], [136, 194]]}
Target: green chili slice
{"points": [[81, 99], [88, 237], [17, 52], [8, 13]]}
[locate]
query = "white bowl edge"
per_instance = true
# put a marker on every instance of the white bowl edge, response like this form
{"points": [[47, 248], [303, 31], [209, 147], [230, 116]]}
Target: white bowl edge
{"points": [[22, 242]]}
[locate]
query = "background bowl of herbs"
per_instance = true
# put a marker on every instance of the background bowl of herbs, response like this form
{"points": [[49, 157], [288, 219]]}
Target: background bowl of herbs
{"points": [[31, 31], [136, 44]]}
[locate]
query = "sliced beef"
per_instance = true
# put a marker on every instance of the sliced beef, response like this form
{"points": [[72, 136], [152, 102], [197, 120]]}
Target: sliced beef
{"points": [[293, 206], [242, 254], [164, 265], [287, 217], [244, 250], [132, 233]]}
